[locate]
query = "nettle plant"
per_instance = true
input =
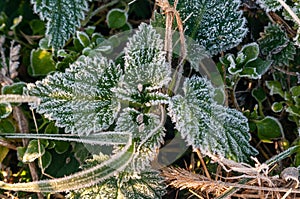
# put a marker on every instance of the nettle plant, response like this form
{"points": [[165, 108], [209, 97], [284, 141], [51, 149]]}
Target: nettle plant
{"points": [[122, 104], [105, 103]]}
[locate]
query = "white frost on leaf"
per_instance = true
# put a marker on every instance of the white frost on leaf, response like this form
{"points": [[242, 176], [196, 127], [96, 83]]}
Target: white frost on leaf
{"points": [[146, 68], [80, 99], [141, 125], [206, 125], [63, 17], [218, 25]]}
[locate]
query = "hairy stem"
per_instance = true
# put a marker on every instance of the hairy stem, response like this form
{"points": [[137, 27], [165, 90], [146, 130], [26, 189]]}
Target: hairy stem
{"points": [[85, 178]]}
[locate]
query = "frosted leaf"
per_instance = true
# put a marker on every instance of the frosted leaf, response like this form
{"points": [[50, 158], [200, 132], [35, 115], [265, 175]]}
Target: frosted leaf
{"points": [[146, 68], [141, 125], [206, 125], [269, 5], [62, 17], [276, 46], [146, 184], [80, 99], [218, 25], [14, 60]]}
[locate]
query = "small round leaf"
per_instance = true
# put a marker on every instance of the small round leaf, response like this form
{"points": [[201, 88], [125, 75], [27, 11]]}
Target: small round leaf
{"points": [[269, 128], [277, 107], [116, 18]]}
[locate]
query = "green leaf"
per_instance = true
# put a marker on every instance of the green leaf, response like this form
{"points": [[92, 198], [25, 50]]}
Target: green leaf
{"points": [[80, 99], [37, 26], [269, 128], [3, 153], [218, 25], [256, 68], [116, 18], [83, 38], [6, 126], [33, 151], [61, 147], [44, 44], [275, 44], [63, 17], [51, 129], [80, 152], [275, 88], [277, 107], [46, 160], [41, 62], [146, 68], [206, 125], [248, 53], [259, 94], [90, 30], [247, 64], [21, 152], [5, 110], [295, 91], [15, 88], [294, 110]]}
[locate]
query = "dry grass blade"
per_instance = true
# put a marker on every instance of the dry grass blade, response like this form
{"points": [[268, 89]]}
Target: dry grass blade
{"points": [[262, 184], [171, 12], [183, 179]]}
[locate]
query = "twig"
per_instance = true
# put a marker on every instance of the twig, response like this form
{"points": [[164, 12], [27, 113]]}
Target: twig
{"points": [[290, 11], [8, 145], [181, 178], [203, 163], [286, 72], [194, 193], [170, 12], [24, 128]]}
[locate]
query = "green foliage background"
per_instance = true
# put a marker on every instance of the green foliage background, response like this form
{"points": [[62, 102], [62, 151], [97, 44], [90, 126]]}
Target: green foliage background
{"points": [[255, 46]]}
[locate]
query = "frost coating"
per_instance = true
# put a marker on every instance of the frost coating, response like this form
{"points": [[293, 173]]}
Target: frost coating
{"points": [[209, 126], [146, 68], [147, 184], [218, 25], [80, 99], [141, 125], [63, 17], [275, 44]]}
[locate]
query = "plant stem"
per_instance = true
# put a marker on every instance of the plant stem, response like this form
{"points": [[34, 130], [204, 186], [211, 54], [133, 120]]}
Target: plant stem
{"points": [[203, 163], [83, 179], [7, 145]]}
